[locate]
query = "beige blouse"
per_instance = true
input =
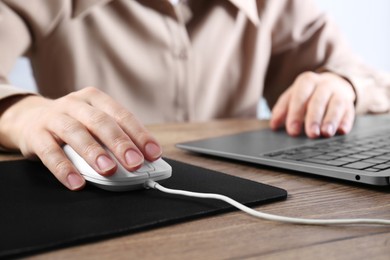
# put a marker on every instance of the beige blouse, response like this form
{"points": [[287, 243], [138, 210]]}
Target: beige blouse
{"points": [[195, 61]]}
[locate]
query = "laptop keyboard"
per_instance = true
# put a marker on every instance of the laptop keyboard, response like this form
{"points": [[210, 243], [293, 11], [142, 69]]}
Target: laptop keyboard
{"points": [[371, 154]]}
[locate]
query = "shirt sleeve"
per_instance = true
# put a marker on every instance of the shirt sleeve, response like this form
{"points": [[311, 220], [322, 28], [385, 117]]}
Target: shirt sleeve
{"points": [[305, 39], [15, 42]]}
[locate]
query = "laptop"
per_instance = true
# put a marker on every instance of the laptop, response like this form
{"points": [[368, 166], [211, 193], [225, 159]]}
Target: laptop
{"points": [[361, 156]]}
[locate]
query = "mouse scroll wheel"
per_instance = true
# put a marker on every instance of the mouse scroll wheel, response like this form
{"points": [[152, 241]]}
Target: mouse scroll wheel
{"points": [[145, 168]]}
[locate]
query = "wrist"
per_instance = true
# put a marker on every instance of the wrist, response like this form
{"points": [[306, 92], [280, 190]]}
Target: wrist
{"points": [[13, 112]]}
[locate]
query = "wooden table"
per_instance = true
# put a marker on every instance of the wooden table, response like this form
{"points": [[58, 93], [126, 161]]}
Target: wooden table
{"points": [[237, 235]]}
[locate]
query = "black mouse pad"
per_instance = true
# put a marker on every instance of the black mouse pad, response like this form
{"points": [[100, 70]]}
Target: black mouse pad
{"points": [[39, 214]]}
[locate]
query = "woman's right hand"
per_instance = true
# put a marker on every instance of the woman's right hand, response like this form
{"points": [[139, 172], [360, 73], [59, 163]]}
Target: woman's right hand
{"points": [[87, 120]]}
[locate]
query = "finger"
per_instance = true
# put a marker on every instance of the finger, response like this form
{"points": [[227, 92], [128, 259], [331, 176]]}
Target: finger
{"points": [[279, 111], [316, 108], [303, 87], [335, 111], [53, 157], [145, 142], [346, 123], [71, 131], [108, 132]]}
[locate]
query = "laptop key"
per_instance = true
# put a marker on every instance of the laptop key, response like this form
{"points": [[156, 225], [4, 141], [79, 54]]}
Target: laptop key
{"points": [[372, 153], [336, 162], [330, 163], [348, 159], [359, 165], [381, 166], [376, 161], [301, 156], [324, 157]]}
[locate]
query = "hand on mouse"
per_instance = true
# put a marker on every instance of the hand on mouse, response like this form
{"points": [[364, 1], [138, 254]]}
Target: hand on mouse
{"points": [[85, 119], [323, 103]]}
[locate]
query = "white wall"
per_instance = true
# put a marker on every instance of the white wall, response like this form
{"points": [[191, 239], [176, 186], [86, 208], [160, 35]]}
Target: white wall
{"points": [[21, 75], [365, 23]]}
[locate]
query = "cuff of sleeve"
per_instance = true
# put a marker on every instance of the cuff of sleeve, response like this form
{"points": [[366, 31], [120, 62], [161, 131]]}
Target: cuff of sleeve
{"points": [[372, 94], [7, 91], [372, 89]]}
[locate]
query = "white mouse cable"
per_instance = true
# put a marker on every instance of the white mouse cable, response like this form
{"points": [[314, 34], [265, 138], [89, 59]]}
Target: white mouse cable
{"points": [[154, 185]]}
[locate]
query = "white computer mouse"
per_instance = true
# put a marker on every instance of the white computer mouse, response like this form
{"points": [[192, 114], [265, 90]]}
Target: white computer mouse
{"points": [[122, 179]]}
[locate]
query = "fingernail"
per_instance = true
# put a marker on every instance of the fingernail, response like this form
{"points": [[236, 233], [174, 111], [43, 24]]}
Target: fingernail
{"points": [[344, 128], [133, 158], [329, 129], [315, 128], [153, 150], [295, 128], [75, 181], [105, 163]]}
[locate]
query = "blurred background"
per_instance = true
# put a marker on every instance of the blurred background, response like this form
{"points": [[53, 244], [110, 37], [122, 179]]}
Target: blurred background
{"points": [[364, 24]]}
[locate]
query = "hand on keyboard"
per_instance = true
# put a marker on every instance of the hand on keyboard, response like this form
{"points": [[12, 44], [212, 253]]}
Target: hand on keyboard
{"points": [[322, 103]]}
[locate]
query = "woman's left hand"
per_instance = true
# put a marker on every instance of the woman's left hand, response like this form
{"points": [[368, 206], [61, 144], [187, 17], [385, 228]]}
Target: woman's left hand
{"points": [[322, 104]]}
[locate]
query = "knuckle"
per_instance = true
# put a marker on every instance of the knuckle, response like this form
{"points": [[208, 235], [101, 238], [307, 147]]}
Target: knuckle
{"points": [[61, 168], [123, 116], [308, 76], [142, 136], [338, 102], [91, 150], [303, 87], [89, 90], [120, 141], [46, 151], [317, 101], [69, 98], [83, 93], [52, 156], [69, 128], [300, 99], [314, 115], [98, 118]]}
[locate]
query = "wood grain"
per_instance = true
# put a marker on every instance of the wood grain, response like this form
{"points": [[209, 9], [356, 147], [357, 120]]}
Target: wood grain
{"points": [[236, 235]]}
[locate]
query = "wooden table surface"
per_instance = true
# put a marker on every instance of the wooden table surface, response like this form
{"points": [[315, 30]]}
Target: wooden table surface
{"points": [[236, 235]]}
